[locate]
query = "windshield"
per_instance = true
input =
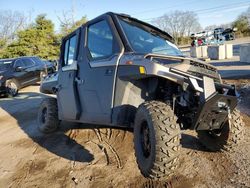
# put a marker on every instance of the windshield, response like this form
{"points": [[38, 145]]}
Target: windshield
{"points": [[147, 41], [5, 64]]}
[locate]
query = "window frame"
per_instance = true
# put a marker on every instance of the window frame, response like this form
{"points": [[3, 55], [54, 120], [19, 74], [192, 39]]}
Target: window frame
{"points": [[162, 34], [15, 66], [113, 41], [117, 43], [68, 48], [33, 63], [67, 53], [76, 34]]}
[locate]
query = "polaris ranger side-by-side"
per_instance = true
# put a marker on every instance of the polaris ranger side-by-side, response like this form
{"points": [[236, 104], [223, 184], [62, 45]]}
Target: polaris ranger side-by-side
{"points": [[118, 71]]}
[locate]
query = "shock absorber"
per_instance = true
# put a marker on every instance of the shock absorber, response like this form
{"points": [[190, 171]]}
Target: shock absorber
{"points": [[169, 94]]}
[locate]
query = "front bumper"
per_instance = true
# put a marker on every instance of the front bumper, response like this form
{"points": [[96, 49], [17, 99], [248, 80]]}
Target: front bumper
{"points": [[214, 112], [216, 102]]}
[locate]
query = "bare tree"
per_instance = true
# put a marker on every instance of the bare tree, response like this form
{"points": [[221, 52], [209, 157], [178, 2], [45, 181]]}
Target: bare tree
{"points": [[11, 22], [179, 23], [224, 26], [246, 14], [211, 27], [68, 21]]}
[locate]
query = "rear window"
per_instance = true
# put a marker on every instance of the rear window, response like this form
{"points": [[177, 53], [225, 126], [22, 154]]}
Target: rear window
{"points": [[28, 62], [37, 60], [5, 64]]}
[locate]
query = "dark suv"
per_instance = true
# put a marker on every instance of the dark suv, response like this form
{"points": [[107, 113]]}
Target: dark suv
{"points": [[20, 72]]}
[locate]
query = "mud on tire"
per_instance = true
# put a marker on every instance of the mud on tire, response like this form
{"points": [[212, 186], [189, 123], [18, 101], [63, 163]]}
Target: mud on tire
{"points": [[48, 115], [156, 139], [225, 139]]}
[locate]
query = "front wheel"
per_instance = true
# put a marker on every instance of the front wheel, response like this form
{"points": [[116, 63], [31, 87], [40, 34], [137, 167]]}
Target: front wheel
{"points": [[11, 88], [48, 115], [156, 139], [226, 138]]}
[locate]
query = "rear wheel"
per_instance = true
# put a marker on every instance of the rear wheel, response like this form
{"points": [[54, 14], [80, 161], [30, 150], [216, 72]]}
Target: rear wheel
{"points": [[156, 139], [226, 138], [11, 88], [48, 115]]}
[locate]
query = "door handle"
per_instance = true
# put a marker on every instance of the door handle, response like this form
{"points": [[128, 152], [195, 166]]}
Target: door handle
{"points": [[79, 81]]}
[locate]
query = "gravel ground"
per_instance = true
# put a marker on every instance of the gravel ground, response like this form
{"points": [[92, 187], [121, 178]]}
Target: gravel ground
{"points": [[83, 156]]}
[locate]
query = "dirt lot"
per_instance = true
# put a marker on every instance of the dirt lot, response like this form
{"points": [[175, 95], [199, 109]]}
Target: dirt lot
{"points": [[77, 156]]}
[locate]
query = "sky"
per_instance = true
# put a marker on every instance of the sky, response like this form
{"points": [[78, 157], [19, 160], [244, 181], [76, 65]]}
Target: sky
{"points": [[209, 11]]}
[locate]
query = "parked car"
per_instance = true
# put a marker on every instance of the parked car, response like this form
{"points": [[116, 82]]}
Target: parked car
{"points": [[218, 34], [229, 34], [20, 72]]}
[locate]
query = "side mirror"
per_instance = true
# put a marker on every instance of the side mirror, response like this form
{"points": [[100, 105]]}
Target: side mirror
{"points": [[19, 69]]}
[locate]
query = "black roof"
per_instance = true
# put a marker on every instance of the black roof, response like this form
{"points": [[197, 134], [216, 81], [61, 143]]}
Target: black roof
{"points": [[8, 59], [169, 37], [15, 58], [112, 14]]}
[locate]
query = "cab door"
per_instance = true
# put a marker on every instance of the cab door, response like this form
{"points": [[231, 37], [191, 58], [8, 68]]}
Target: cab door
{"points": [[21, 74], [97, 70], [30, 68], [67, 96]]}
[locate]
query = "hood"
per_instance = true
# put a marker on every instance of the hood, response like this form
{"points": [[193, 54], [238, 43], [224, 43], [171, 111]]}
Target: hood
{"points": [[188, 65]]}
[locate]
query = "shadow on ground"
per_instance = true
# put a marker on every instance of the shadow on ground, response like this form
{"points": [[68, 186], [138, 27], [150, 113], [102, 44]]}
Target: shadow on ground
{"points": [[191, 142], [24, 110]]}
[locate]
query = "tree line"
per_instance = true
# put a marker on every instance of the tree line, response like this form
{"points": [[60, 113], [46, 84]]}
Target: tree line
{"points": [[180, 24], [18, 38]]}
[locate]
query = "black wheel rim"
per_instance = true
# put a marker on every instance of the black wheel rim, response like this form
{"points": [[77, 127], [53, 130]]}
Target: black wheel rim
{"points": [[44, 115], [145, 139]]}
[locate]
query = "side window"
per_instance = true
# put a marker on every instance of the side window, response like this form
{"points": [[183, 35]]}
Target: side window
{"points": [[18, 63], [100, 40], [28, 62], [66, 49], [69, 50]]}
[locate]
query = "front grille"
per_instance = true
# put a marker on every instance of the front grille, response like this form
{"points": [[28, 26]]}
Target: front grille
{"points": [[202, 66]]}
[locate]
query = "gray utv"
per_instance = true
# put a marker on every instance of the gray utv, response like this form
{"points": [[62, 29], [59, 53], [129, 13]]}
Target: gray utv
{"points": [[121, 72]]}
